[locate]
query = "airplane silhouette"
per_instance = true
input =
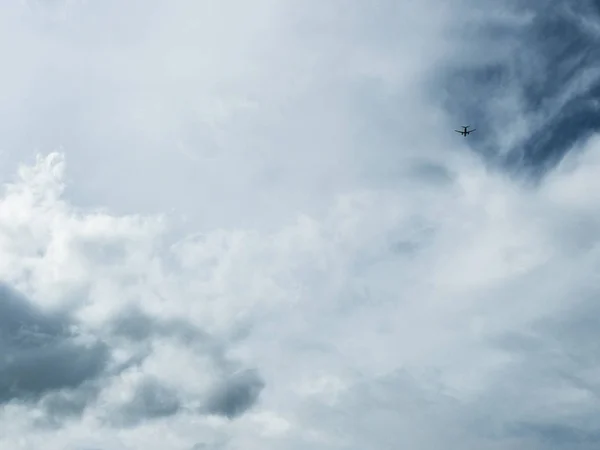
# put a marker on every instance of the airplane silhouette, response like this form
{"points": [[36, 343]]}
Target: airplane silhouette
{"points": [[464, 132]]}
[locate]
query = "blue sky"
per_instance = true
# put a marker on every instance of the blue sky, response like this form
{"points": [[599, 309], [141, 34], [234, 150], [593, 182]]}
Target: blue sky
{"points": [[231, 224]]}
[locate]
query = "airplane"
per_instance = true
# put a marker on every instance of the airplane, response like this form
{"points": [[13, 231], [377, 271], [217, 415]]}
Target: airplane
{"points": [[464, 132]]}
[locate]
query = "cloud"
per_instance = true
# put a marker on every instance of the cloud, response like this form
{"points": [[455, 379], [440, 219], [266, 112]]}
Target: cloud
{"points": [[536, 86], [150, 400], [268, 235], [47, 363], [39, 353], [235, 395]]}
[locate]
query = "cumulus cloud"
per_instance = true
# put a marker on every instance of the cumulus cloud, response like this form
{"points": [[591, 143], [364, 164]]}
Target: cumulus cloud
{"points": [[39, 355], [235, 395], [149, 399], [260, 231]]}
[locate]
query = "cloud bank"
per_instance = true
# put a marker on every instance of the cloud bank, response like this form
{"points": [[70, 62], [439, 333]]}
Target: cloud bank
{"points": [[253, 226]]}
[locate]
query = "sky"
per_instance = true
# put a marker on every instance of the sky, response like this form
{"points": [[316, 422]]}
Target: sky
{"points": [[250, 225]]}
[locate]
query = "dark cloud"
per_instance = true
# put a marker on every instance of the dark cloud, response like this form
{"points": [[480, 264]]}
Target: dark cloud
{"points": [[39, 353], [55, 364], [549, 71], [555, 435], [44, 361], [235, 395]]}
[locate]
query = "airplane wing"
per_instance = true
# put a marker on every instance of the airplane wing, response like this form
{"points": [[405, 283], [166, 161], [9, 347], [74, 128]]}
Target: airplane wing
{"points": [[470, 131], [459, 131]]}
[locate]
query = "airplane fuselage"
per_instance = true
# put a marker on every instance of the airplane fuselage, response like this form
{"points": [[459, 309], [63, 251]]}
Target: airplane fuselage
{"points": [[464, 131]]}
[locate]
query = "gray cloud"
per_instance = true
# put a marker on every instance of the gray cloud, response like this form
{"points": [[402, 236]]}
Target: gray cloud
{"points": [[138, 327], [65, 404], [151, 400], [556, 435], [410, 253], [535, 89], [133, 324], [235, 395], [209, 446], [39, 354], [43, 361]]}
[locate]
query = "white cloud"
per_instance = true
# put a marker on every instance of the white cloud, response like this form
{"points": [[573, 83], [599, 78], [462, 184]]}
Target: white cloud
{"points": [[349, 276]]}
